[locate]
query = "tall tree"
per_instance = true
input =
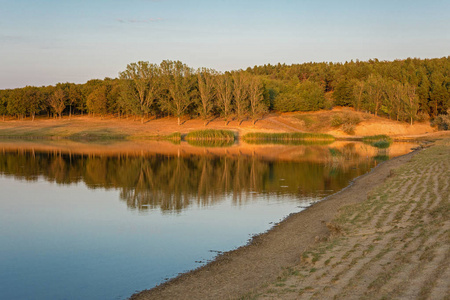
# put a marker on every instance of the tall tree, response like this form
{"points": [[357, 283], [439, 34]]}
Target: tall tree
{"points": [[58, 101], [177, 80], [142, 77], [17, 103], [411, 102], [240, 93], [375, 90], [358, 92], [74, 97], [205, 79], [33, 98], [255, 95], [96, 101], [224, 90], [438, 94], [3, 103]]}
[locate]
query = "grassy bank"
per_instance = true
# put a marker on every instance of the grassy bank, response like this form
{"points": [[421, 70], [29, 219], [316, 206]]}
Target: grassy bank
{"points": [[394, 245]]}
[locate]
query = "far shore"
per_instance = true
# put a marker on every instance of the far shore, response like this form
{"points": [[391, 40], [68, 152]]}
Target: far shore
{"points": [[86, 128]]}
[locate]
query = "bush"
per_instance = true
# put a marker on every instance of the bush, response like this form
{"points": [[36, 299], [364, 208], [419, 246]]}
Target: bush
{"points": [[336, 121], [442, 122], [348, 128], [347, 121]]}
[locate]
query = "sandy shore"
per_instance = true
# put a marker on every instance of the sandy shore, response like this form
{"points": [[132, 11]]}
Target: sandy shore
{"points": [[325, 251]]}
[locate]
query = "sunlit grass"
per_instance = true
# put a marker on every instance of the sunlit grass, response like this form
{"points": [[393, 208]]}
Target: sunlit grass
{"points": [[295, 138], [210, 134], [380, 141]]}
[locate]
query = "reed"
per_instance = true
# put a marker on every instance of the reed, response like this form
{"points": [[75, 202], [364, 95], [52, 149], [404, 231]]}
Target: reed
{"points": [[287, 137], [374, 138], [210, 134], [211, 143], [379, 141]]}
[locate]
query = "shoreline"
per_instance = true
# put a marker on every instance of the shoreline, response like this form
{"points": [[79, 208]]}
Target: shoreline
{"points": [[239, 271]]}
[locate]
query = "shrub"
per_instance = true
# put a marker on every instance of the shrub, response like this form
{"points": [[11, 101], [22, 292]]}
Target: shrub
{"points": [[336, 121], [442, 122], [348, 128]]}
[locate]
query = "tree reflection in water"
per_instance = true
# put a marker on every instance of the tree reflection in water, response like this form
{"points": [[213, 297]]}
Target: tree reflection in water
{"points": [[173, 183]]}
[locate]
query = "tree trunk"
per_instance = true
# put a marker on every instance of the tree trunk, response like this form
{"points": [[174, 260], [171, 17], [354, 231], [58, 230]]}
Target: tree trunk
{"points": [[178, 121]]}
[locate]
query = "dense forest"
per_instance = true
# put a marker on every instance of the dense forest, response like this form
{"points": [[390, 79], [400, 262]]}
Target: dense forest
{"points": [[405, 90]]}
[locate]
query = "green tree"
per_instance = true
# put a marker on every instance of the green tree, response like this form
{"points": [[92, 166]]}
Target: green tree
{"points": [[3, 103], [17, 103], [224, 90], [343, 93], [205, 78], [58, 101], [74, 97], [312, 95], [255, 95], [96, 101], [142, 82], [438, 93], [177, 79], [33, 98], [411, 102], [375, 92], [240, 93]]}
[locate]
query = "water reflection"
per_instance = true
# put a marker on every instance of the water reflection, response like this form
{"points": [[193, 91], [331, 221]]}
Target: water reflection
{"points": [[174, 182], [183, 201]]}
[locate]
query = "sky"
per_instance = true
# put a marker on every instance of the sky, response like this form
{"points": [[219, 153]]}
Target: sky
{"points": [[46, 42]]}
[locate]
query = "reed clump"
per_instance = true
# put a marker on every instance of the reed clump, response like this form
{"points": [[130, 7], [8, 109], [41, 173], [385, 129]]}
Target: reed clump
{"points": [[380, 141], [210, 135], [288, 137]]}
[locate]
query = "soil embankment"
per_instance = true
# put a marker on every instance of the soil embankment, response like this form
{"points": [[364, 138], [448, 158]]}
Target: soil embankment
{"points": [[90, 128], [388, 234]]}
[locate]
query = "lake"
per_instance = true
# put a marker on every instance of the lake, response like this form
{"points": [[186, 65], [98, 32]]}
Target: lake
{"points": [[102, 221]]}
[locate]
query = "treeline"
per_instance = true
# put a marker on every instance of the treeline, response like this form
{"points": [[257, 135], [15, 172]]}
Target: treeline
{"points": [[405, 90], [174, 183]]}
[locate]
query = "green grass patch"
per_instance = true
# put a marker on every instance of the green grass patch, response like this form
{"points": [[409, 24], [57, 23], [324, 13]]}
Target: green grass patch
{"points": [[210, 134], [295, 138], [374, 138], [379, 141], [97, 135]]}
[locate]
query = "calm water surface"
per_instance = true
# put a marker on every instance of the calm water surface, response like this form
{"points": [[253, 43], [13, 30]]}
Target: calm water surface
{"points": [[102, 226]]}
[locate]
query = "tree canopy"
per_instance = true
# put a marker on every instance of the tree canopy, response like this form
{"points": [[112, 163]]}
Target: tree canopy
{"points": [[405, 90]]}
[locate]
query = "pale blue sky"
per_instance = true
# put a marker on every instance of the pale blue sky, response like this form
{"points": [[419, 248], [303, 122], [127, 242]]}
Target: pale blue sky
{"points": [[45, 42]]}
